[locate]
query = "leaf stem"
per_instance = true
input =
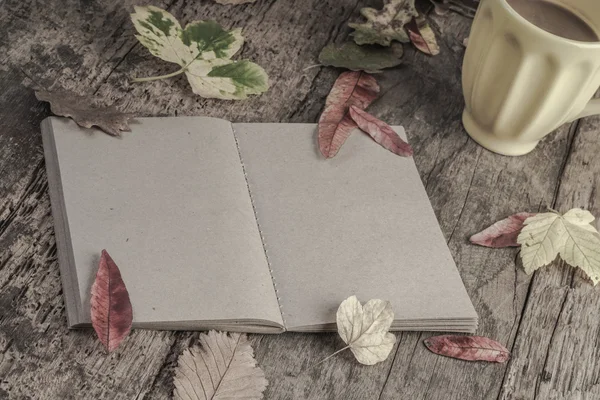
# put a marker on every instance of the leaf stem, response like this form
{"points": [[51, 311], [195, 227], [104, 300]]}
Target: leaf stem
{"points": [[155, 78], [326, 358]]}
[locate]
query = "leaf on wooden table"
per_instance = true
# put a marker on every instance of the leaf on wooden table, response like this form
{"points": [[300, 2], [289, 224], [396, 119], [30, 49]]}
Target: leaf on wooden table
{"points": [[222, 366], [111, 309], [422, 36], [203, 50], [384, 26], [80, 109], [371, 59], [503, 233], [571, 236], [335, 125], [469, 348], [381, 132], [234, 2]]}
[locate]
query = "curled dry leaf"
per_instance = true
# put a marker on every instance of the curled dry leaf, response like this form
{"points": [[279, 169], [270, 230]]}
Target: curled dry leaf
{"points": [[221, 366], [335, 125], [422, 36], [111, 309], [503, 233], [469, 348], [384, 26], [80, 109], [381, 132], [366, 329], [371, 59]]}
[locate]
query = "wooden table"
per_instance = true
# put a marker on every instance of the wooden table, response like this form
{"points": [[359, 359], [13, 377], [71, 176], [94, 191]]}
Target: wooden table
{"points": [[550, 320]]}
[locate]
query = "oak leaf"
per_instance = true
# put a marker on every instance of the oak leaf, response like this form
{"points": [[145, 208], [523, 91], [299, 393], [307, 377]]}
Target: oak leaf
{"points": [[371, 59], [222, 366], [422, 36], [503, 233], [469, 348], [384, 26], [110, 305]]}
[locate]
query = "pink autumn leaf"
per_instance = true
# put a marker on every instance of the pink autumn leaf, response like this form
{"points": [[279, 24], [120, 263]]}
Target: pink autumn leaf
{"points": [[469, 348], [111, 309], [381, 132], [503, 233], [353, 88]]}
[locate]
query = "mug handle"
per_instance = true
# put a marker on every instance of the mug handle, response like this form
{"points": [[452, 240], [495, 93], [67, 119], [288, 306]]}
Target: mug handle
{"points": [[592, 108]]}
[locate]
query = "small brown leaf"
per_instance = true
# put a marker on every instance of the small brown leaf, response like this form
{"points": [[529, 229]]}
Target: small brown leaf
{"points": [[111, 309], [381, 132], [80, 109], [469, 348], [422, 36], [335, 125], [503, 233]]}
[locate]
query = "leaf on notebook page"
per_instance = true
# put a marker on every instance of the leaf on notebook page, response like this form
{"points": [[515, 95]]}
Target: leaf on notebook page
{"points": [[335, 125], [503, 233], [371, 59], [385, 25], [111, 309], [422, 36], [81, 110], [571, 236], [381, 132], [222, 366], [469, 348], [203, 50]]}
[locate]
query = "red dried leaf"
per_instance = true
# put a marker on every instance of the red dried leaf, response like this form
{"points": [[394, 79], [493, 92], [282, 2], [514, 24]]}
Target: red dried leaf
{"points": [[469, 348], [353, 88], [111, 309], [381, 132], [421, 35], [503, 233]]}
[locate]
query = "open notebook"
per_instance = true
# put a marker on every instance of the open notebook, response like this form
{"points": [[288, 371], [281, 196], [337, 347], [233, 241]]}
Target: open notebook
{"points": [[246, 227]]}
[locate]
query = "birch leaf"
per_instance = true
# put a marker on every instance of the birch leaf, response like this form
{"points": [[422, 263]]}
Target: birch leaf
{"points": [[365, 329], [381, 132], [203, 50], [422, 36], [384, 26], [469, 348], [222, 366], [111, 309], [335, 125], [503, 233], [371, 59], [571, 236]]}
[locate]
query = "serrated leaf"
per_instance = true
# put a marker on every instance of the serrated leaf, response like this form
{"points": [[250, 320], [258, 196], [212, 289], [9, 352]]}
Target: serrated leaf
{"points": [[503, 233], [422, 36], [111, 310], [335, 125], [371, 59], [366, 329], [80, 109], [384, 26], [221, 366], [571, 236], [381, 132], [203, 51], [469, 348]]}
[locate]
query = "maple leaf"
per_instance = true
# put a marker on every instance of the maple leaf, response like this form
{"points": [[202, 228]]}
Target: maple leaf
{"points": [[469, 348], [203, 50], [79, 108], [335, 125], [384, 26], [422, 36], [371, 59]]}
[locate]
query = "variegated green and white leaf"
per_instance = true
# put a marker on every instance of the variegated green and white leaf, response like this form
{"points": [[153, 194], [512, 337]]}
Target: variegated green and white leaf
{"points": [[385, 25], [203, 50]]}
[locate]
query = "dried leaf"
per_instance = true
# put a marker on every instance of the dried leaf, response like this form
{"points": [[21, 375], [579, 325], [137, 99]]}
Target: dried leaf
{"points": [[203, 50], [222, 366], [385, 25], [365, 329], [381, 132], [80, 109], [469, 348], [234, 2], [570, 235], [371, 59], [111, 309], [335, 125], [422, 36], [503, 233]]}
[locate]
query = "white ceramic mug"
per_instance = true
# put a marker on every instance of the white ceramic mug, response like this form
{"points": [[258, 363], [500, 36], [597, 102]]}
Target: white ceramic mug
{"points": [[521, 82]]}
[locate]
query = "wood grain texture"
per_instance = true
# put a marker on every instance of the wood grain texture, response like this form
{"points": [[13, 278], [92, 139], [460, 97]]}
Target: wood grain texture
{"points": [[549, 320]]}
